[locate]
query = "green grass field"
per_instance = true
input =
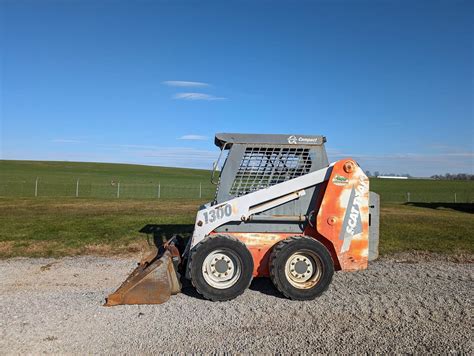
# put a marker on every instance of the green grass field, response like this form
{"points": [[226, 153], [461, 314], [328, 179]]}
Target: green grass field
{"points": [[423, 190], [69, 226], [58, 226], [99, 180]]}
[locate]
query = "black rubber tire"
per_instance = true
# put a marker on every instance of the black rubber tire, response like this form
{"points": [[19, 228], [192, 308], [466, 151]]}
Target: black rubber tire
{"points": [[202, 250], [280, 254]]}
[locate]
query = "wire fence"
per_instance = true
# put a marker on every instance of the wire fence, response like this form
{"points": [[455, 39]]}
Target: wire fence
{"points": [[118, 190], [461, 196], [204, 190]]}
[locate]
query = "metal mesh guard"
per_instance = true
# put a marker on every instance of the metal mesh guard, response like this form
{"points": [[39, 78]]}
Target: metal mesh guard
{"points": [[262, 167]]}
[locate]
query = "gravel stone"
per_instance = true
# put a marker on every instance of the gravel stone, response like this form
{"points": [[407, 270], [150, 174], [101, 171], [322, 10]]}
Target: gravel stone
{"points": [[55, 306]]}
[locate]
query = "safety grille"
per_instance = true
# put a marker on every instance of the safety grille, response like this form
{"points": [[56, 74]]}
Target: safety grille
{"points": [[262, 167]]}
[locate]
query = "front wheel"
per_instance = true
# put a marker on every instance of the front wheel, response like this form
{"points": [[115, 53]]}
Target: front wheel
{"points": [[301, 268], [221, 267]]}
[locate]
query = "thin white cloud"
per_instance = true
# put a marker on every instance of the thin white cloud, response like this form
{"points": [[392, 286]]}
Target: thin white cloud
{"points": [[197, 96], [193, 138], [63, 140], [185, 84]]}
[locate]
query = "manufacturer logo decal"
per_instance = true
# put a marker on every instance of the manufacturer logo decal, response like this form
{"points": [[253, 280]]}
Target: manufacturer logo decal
{"points": [[340, 180], [352, 224], [293, 140]]}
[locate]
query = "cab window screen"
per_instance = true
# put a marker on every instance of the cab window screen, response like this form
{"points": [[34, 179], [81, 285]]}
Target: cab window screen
{"points": [[262, 167]]}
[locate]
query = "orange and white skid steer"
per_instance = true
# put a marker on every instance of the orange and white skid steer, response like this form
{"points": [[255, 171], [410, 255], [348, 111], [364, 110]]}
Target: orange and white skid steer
{"points": [[280, 211]]}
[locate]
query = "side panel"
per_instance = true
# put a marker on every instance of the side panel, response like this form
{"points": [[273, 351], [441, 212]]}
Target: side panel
{"points": [[260, 246], [343, 217], [301, 206], [374, 225]]}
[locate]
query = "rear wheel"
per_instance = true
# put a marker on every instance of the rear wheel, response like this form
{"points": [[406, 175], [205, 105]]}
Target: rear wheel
{"points": [[301, 268], [220, 267]]}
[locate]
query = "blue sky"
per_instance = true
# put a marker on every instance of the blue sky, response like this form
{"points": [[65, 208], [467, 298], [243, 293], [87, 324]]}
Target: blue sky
{"points": [[387, 82]]}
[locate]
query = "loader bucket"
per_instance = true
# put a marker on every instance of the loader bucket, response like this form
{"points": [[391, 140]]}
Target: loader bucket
{"points": [[152, 282]]}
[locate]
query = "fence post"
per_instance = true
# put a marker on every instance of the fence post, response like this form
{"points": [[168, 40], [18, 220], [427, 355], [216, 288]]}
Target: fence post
{"points": [[36, 187], [77, 188], [455, 197], [118, 190], [408, 197], [159, 190], [200, 190]]}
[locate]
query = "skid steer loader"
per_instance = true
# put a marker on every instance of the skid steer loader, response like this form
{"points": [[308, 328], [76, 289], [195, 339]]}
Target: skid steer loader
{"points": [[280, 211]]}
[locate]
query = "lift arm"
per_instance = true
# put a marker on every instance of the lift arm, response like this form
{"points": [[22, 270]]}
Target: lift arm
{"points": [[242, 208]]}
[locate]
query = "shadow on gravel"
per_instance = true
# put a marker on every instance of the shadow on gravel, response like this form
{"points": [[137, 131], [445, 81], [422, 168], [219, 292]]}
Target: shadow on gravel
{"points": [[188, 289], [463, 207], [265, 286], [262, 285], [159, 234]]}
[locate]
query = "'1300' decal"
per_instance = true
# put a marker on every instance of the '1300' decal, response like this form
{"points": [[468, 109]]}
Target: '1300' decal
{"points": [[217, 214]]}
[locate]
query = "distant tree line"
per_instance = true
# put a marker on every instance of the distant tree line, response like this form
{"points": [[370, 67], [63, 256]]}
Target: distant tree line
{"points": [[377, 173], [449, 176]]}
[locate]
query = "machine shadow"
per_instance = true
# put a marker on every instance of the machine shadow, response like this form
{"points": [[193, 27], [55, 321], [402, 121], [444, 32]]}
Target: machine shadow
{"points": [[265, 286], [462, 207], [262, 285], [188, 289], [159, 234]]}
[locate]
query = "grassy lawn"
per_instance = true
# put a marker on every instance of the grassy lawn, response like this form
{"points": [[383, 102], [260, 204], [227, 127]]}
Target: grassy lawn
{"points": [[432, 228], [56, 224], [423, 190], [69, 226], [99, 180]]}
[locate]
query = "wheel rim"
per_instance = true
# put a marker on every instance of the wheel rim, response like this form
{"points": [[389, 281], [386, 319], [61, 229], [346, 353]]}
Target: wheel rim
{"points": [[222, 268], [303, 269]]}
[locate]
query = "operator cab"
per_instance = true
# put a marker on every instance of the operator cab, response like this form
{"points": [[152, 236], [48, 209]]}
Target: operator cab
{"points": [[255, 161]]}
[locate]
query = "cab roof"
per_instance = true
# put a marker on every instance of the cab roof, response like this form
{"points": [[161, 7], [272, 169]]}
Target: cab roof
{"points": [[222, 139]]}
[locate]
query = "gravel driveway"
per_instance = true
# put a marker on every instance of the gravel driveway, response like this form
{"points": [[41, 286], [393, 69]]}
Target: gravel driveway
{"points": [[49, 305]]}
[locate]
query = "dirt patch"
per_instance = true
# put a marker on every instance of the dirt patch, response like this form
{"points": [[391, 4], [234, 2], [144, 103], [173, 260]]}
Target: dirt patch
{"points": [[88, 206], [47, 266], [426, 256], [6, 248]]}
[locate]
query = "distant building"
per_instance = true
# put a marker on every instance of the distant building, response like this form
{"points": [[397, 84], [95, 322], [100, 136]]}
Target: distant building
{"points": [[392, 177]]}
